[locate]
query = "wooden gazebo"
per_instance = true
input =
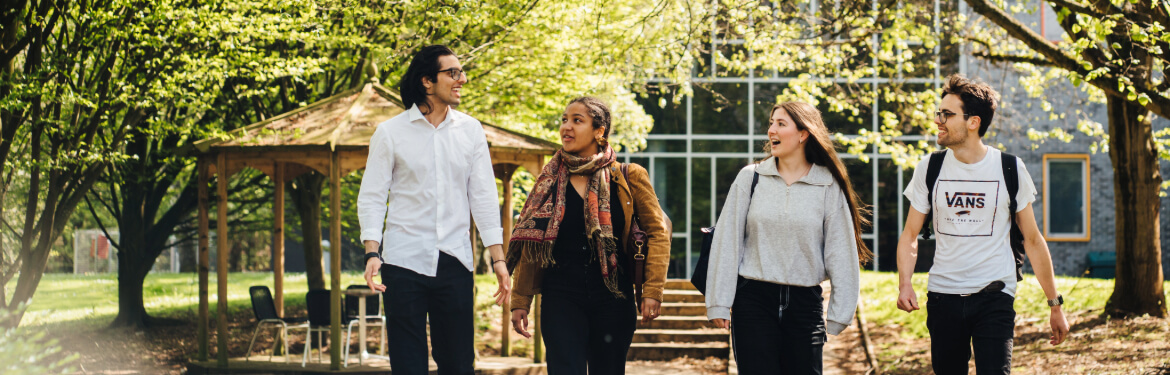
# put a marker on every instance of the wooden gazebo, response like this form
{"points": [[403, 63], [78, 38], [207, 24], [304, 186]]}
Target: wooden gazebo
{"points": [[331, 137]]}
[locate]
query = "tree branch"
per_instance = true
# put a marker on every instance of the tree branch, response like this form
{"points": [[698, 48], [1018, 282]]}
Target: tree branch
{"points": [[101, 226], [1014, 58], [1024, 34]]}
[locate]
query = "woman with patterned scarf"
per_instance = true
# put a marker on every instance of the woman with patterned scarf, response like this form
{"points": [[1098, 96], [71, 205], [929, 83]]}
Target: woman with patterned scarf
{"points": [[572, 243]]}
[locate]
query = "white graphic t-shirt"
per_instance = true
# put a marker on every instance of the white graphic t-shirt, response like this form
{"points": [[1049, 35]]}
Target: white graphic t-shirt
{"points": [[970, 222]]}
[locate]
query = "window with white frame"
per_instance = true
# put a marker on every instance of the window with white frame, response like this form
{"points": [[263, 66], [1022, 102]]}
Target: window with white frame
{"points": [[1066, 197]]}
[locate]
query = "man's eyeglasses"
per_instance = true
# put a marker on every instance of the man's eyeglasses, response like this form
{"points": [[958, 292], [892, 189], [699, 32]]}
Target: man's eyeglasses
{"points": [[944, 116], [455, 73]]}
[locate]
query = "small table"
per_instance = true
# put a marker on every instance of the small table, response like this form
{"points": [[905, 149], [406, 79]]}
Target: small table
{"points": [[362, 294]]}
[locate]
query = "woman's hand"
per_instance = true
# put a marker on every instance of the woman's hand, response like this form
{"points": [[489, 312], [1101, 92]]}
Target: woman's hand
{"points": [[650, 310], [520, 322], [722, 323]]}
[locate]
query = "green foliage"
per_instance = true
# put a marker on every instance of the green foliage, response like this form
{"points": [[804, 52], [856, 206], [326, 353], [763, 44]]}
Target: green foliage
{"points": [[26, 352]]}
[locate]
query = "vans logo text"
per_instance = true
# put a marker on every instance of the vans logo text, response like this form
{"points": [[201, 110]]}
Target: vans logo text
{"points": [[965, 200]]}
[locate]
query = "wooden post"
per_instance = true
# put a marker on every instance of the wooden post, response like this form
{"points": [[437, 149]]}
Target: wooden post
{"points": [[538, 349], [278, 240], [506, 219], [278, 250], [204, 259], [335, 262], [221, 266]]}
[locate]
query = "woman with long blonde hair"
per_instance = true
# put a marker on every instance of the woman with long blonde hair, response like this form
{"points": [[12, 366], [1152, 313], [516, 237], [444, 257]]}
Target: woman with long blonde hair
{"points": [[789, 223]]}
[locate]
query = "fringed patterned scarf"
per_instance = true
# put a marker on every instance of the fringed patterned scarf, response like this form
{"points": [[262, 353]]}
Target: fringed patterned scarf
{"points": [[540, 220]]}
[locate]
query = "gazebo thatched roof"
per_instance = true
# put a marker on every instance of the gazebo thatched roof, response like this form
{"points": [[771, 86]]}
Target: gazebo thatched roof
{"points": [[345, 122]]}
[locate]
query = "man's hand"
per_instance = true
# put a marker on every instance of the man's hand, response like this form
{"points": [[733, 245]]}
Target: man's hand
{"points": [[372, 267], [520, 322], [650, 308], [1059, 326], [722, 323], [505, 282], [907, 299]]}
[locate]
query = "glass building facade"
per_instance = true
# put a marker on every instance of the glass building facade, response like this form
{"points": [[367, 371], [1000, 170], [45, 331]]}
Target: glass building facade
{"points": [[696, 148]]}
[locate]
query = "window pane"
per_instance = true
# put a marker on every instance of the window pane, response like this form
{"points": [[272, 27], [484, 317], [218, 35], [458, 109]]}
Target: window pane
{"points": [[703, 145], [861, 175], [727, 170], [700, 202], [888, 195], [668, 118], [721, 109], [1066, 197], [678, 259], [669, 184], [666, 145]]}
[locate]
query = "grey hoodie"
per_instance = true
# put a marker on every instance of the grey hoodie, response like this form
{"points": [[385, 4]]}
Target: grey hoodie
{"points": [[799, 235]]}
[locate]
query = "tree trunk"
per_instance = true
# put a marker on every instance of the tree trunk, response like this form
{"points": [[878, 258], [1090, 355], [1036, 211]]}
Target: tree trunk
{"points": [[237, 252], [131, 306], [306, 197], [1136, 182]]}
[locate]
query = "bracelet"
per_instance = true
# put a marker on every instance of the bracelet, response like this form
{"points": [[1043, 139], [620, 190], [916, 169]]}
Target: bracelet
{"points": [[497, 261]]}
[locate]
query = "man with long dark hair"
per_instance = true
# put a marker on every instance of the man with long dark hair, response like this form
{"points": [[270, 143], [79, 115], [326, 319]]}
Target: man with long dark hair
{"points": [[431, 163], [974, 193]]}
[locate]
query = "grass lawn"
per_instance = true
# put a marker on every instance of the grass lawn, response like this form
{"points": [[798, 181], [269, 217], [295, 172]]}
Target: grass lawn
{"points": [[92, 300], [77, 309], [879, 290], [1096, 344]]}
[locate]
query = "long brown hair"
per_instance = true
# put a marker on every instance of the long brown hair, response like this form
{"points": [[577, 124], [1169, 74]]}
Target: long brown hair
{"points": [[821, 151]]}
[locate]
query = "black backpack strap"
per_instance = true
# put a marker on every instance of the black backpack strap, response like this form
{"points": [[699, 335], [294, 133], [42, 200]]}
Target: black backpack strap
{"points": [[755, 181], [933, 168], [1011, 178]]}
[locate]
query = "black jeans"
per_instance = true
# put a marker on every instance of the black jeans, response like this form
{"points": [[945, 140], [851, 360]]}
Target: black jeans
{"points": [[777, 329], [585, 327], [956, 323], [447, 298]]}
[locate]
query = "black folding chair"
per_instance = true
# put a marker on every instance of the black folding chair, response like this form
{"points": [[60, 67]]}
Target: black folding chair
{"points": [[317, 303], [265, 310]]}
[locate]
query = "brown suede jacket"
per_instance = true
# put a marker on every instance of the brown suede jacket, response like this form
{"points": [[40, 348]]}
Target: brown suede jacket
{"points": [[639, 194]]}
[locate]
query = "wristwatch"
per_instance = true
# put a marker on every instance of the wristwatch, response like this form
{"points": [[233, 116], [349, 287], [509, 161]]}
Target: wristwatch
{"points": [[1059, 300], [374, 254]]}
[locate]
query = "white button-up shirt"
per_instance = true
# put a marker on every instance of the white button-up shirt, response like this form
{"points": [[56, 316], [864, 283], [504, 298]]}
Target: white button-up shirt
{"points": [[432, 177]]}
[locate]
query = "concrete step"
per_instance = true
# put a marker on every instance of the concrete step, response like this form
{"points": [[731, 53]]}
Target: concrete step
{"points": [[681, 335], [675, 295], [672, 350], [680, 322], [684, 309], [679, 284]]}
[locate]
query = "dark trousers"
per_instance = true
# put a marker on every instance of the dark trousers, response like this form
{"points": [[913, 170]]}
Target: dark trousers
{"points": [[587, 332], [447, 298], [777, 329], [985, 321]]}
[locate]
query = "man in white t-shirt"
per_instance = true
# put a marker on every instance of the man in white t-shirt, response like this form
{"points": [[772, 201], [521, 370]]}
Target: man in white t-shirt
{"points": [[972, 283]]}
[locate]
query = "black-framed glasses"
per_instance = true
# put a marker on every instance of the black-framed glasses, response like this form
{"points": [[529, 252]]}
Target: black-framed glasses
{"points": [[455, 73], [944, 116]]}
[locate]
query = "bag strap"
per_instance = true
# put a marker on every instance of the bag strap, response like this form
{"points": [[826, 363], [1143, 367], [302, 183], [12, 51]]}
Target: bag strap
{"points": [[933, 168], [1011, 178], [755, 181]]}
